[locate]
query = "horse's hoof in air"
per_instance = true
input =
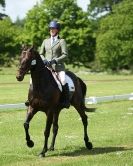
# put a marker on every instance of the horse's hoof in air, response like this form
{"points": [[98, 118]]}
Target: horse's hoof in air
{"points": [[30, 144], [89, 145]]}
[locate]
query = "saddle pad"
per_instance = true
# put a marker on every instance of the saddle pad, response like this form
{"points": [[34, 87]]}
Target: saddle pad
{"points": [[68, 80], [70, 83]]}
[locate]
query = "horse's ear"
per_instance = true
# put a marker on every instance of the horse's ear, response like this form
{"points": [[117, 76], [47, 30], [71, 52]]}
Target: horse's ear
{"points": [[24, 46], [32, 48]]}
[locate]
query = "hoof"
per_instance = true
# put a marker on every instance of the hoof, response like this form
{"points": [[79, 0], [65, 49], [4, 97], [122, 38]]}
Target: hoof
{"points": [[30, 144], [42, 155], [89, 145]]}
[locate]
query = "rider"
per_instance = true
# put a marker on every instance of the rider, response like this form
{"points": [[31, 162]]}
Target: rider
{"points": [[53, 51]]}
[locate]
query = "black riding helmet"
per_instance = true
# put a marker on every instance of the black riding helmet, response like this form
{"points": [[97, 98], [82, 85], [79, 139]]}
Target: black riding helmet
{"points": [[54, 24]]}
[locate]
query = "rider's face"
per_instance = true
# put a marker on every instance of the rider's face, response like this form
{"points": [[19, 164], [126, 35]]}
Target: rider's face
{"points": [[53, 31]]}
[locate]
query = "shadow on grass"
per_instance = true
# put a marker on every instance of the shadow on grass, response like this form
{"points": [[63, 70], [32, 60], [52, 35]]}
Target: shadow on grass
{"points": [[94, 151]]}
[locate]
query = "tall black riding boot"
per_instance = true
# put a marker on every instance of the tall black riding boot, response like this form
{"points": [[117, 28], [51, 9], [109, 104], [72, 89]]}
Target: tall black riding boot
{"points": [[66, 102]]}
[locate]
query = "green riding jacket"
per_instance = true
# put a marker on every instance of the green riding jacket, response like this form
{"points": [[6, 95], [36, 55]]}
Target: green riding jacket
{"points": [[57, 51]]}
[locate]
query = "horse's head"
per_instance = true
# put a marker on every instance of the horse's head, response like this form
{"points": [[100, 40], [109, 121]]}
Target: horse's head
{"points": [[25, 62]]}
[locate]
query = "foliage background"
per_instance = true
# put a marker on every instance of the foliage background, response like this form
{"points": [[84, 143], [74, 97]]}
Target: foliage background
{"points": [[96, 41], [115, 37]]}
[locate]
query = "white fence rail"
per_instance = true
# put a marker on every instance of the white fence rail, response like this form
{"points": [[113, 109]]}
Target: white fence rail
{"points": [[95, 100], [90, 100], [11, 106]]}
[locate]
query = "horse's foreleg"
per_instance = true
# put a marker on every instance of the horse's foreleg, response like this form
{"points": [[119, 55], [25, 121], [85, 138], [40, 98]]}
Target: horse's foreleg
{"points": [[30, 114], [55, 130], [47, 133]]}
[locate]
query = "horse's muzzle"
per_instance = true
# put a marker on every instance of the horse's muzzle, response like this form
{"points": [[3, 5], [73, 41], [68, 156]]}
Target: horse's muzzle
{"points": [[19, 77]]}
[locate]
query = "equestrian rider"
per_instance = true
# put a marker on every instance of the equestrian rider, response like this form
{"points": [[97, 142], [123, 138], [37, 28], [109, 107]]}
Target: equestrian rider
{"points": [[53, 51]]}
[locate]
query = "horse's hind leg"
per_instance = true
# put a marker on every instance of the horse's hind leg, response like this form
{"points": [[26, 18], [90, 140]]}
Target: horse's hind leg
{"points": [[85, 124], [30, 114]]}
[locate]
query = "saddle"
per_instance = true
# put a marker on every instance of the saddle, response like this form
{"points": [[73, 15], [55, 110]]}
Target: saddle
{"points": [[68, 80]]}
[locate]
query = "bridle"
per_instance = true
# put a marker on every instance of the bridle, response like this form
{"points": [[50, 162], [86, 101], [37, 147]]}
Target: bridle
{"points": [[33, 60], [20, 66]]}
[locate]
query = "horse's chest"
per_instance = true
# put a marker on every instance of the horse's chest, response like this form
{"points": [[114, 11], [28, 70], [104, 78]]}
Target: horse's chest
{"points": [[39, 103]]}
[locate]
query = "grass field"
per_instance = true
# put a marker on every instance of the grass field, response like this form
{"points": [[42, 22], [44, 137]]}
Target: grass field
{"points": [[110, 127]]}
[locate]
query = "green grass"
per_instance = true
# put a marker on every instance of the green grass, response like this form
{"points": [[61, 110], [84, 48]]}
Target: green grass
{"points": [[110, 127], [104, 84], [12, 91], [110, 130]]}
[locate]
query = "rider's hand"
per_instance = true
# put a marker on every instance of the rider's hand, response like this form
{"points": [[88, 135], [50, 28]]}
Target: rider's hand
{"points": [[53, 61], [46, 63]]}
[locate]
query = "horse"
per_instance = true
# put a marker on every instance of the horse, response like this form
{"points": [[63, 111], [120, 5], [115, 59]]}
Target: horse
{"points": [[44, 95]]}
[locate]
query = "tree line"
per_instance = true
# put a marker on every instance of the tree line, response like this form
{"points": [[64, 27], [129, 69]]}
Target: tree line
{"points": [[95, 40]]}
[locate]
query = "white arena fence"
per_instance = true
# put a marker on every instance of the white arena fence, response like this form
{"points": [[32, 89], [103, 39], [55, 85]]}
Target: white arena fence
{"points": [[90, 100]]}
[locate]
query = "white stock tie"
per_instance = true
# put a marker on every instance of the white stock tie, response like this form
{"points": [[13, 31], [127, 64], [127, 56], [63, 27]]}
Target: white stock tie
{"points": [[53, 40]]}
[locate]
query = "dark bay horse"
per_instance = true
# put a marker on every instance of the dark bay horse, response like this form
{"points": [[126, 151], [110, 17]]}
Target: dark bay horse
{"points": [[45, 96]]}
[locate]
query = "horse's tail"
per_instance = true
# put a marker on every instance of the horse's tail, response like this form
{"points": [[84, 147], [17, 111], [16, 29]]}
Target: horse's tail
{"points": [[84, 89]]}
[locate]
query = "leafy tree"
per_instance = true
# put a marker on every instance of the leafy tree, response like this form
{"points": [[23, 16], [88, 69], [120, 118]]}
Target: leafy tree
{"points": [[98, 6], [115, 37], [8, 42], [2, 3], [76, 28], [19, 22]]}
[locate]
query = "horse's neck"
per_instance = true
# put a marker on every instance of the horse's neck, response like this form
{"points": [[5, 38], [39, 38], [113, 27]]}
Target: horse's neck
{"points": [[40, 75]]}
